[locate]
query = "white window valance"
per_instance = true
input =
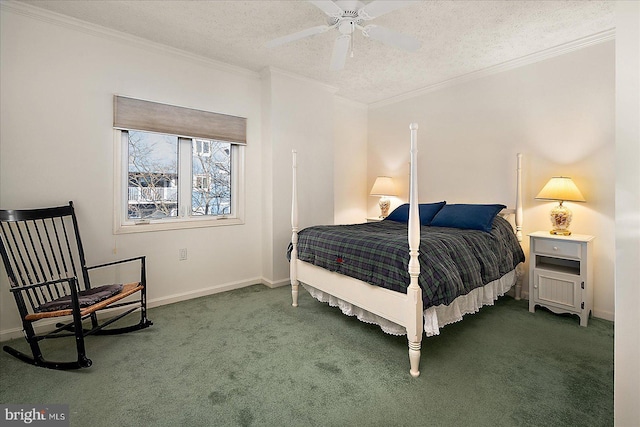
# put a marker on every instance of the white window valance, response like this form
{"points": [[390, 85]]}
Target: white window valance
{"points": [[137, 114]]}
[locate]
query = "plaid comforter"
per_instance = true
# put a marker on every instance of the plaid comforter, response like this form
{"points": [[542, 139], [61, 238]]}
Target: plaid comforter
{"points": [[452, 261]]}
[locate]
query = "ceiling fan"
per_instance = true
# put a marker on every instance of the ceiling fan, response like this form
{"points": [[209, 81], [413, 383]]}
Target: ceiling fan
{"points": [[347, 16]]}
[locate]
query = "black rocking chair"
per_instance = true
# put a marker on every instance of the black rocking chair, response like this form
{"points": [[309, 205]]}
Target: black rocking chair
{"points": [[48, 276]]}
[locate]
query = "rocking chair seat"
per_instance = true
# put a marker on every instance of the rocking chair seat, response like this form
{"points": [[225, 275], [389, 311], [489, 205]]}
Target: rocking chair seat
{"points": [[126, 290], [85, 298]]}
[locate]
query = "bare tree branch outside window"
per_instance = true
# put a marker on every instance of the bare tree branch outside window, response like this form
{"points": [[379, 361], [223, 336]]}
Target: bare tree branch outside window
{"points": [[211, 190], [153, 175]]}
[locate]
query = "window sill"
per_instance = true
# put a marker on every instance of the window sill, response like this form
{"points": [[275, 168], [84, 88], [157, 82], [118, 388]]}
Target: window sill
{"points": [[175, 224]]}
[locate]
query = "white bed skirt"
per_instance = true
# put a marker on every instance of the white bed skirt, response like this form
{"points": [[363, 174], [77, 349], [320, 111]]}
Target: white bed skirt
{"points": [[434, 317]]}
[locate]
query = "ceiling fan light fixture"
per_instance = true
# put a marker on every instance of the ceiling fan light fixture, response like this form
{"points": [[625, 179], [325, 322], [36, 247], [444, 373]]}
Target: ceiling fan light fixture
{"points": [[346, 26]]}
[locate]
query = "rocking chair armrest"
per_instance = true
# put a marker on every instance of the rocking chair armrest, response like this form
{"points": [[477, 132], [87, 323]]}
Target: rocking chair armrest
{"points": [[72, 280], [122, 261]]}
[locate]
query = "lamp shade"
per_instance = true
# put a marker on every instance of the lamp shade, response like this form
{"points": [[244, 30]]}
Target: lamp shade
{"points": [[561, 188], [383, 187]]}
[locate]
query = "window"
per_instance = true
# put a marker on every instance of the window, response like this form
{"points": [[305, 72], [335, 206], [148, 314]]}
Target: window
{"points": [[202, 148], [175, 178], [166, 181], [201, 182]]}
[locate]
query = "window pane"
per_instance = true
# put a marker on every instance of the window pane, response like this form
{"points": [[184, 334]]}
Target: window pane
{"points": [[211, 189], [153, 175]]}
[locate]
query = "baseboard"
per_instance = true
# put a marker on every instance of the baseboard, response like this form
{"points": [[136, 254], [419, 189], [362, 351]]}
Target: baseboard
{"points": [[10, 334], [275, 284], [606, 315], [157, 302]]}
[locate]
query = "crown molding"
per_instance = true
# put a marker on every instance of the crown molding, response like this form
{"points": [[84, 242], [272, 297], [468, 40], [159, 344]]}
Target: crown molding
{"points": [[542, 55], [99, 31], [269, 71], [352, 103], [118, 36]]}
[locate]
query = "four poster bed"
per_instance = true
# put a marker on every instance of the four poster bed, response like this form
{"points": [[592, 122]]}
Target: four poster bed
{"points": [[451, 268]]}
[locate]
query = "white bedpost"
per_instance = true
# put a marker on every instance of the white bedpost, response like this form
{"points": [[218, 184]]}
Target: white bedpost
{"points": [[518, 220], [414, 293], [293, 267], [519, 214]]}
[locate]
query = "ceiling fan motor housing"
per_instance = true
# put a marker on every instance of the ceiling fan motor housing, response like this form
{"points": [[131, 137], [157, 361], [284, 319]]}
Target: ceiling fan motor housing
{"points": [[349, 19], [350, 7]]}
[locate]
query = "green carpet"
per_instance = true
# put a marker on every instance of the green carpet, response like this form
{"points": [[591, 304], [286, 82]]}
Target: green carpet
{"points": [[246, 357]]}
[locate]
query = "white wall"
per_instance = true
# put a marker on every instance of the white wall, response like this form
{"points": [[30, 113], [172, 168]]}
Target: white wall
{"points": [[350, 192], [298, 114], [559, 113], [627, 340], [57, 143]]}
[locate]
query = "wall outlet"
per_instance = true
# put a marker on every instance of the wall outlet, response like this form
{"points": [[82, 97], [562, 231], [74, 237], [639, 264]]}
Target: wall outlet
{"points": [[182, 254]]}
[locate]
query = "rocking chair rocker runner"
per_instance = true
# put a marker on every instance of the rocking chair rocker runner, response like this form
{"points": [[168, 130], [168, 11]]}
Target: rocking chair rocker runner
{"points": [[44, 259]]}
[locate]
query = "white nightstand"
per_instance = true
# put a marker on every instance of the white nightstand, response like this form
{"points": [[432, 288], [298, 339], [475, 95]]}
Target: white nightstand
{"points": [[374, 219], [561, 273]]}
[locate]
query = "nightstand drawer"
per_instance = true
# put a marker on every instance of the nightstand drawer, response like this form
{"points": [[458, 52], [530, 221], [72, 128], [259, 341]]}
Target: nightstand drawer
{"points": [[556, 247]]}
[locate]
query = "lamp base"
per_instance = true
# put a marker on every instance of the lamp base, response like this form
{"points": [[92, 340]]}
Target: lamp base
{"points": [[560, 217], [384, 204], [560, 232]]}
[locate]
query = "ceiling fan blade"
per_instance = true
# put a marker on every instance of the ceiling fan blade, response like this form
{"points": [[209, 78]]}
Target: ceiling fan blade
{"points": [[328, 7], [297, 36], [392, 38], [340, 50], [380, 7]]}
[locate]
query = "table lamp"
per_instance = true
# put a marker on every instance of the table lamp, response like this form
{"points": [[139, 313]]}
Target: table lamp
{"points": [[384, 188], [562, 189]]}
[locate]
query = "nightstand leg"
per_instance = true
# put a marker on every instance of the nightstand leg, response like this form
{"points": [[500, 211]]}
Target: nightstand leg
{"points": [[584, 318]]}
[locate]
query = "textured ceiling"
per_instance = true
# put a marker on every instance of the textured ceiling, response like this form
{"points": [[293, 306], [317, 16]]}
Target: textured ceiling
{"points": [[458, 37]]}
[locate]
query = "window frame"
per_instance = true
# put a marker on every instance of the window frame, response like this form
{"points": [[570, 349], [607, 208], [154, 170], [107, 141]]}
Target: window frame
{"points": [[184, 220]]}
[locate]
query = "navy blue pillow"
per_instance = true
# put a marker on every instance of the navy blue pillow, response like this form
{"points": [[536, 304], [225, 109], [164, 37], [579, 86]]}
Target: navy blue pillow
{"points": [[427, 212], [474, 217]]}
